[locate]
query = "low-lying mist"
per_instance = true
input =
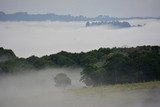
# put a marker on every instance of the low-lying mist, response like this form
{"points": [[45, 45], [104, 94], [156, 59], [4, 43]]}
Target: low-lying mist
{"points": [[37, 89], [41, 38]]}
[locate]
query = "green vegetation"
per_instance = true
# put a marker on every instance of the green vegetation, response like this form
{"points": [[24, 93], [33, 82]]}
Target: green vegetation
{"points": [[100, 67], [6, 54]]}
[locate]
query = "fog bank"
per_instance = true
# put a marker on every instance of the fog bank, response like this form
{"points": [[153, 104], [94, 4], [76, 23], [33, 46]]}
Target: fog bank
{"points": [[36, 89], [41, 38]]}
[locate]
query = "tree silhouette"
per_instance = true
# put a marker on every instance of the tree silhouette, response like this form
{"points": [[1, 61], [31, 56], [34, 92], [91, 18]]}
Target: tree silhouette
{"points": [[62, 80]]}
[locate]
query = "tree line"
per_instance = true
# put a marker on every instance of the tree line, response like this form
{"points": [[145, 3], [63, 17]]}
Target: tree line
{"points": [[100, 67]]}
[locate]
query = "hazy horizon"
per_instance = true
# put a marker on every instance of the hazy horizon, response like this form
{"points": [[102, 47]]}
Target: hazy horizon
{"points": [[91, 8], [44, 13]]}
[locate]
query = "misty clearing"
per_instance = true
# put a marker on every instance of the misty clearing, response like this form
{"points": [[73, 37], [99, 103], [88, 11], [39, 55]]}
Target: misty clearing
{"points": [[37, 89]]}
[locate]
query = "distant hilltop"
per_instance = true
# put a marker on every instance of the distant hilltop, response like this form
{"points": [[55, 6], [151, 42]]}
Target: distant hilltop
{"points": [[115, 23], [110, 23], [24, 16]]}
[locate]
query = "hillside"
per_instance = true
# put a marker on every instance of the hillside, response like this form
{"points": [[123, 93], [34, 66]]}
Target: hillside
{"points": [[122, 95], [118, 88]]}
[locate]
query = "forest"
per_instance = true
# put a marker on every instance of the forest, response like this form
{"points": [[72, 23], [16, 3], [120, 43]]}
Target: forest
{"points": [[100, 67]]}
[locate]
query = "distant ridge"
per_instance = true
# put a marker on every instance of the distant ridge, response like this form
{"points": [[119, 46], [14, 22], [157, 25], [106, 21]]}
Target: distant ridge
{"points": [[24, 16]]}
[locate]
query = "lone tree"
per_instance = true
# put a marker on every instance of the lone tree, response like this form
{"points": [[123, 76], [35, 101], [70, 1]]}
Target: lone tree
{"points": [[87, 24], [62, 80]]}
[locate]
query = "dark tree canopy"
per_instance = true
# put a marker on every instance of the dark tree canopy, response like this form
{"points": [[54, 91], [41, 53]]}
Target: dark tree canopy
{"points": [[100, 67]]}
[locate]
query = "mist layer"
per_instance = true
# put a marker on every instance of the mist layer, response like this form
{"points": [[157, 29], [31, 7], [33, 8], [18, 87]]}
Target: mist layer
{"points": [[41, 38]]}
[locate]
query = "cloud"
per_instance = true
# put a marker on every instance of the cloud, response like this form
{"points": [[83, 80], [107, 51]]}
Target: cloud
{"points": [[41, 38]]}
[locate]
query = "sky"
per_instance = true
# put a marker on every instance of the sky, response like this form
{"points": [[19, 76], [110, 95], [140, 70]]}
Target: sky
{"points": [[91, 8]]}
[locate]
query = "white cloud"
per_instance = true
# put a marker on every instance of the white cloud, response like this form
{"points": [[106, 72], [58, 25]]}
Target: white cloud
{"points": [[41, 38]]}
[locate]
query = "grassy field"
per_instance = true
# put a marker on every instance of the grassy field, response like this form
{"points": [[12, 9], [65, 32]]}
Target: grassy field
{"points": [[118, 88], [146, 94]]}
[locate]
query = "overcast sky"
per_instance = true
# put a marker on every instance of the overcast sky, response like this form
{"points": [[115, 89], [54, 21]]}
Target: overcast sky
{"points": [[119, 8]]}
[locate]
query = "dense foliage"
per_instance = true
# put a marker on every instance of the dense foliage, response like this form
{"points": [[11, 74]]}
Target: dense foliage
{"points": [[100, 67], [6, 54]]}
